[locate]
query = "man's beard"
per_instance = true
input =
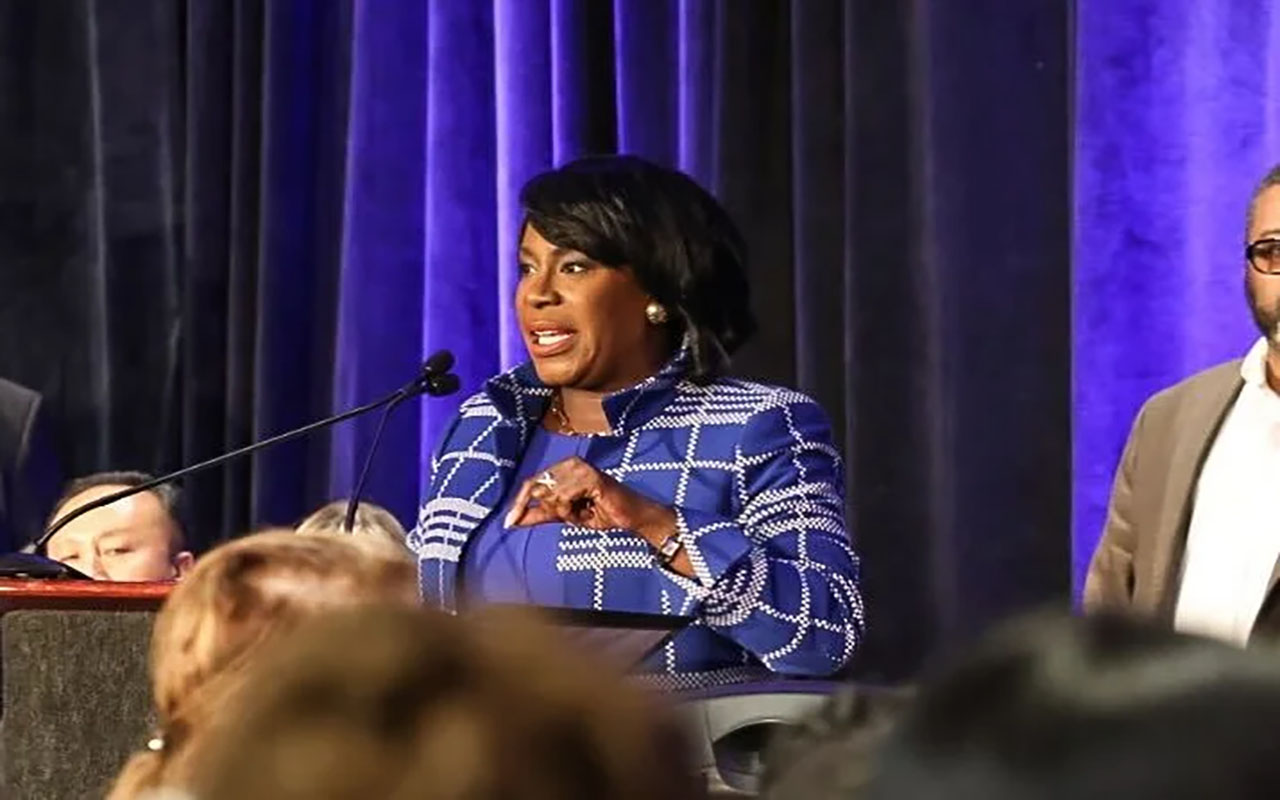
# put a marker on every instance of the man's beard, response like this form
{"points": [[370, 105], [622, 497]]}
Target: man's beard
{"points": [[1267, 318]]}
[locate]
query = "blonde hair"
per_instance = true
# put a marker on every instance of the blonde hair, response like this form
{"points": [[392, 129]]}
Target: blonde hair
{"points": [[390, 702], [371, 521], [213, 625]]}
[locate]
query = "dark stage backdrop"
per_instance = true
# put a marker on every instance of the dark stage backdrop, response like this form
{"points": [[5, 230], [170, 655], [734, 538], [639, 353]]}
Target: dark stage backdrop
{"points": [[222, 218]]}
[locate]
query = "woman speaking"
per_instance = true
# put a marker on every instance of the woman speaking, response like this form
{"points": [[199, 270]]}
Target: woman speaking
{"points": [[619, 469]]}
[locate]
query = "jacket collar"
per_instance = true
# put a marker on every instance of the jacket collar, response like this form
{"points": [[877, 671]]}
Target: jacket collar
{"points": [[520, 397]]}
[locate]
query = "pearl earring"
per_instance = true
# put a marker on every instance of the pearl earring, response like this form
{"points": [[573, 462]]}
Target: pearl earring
{"points": [[656, 313]]}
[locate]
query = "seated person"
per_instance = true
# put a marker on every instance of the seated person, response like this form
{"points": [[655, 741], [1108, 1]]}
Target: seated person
{"points": [[1102, 707], [238, 597], [139, 538], [372, 523], [388, 702]]}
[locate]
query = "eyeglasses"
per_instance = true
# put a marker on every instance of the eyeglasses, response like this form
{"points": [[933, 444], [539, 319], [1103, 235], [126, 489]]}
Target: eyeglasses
{"points": [[1264, 256]]}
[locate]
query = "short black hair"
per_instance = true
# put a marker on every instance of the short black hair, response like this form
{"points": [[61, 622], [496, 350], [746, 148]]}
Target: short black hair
{"points": [[680, 244], [169, 494], [1056, 707]]}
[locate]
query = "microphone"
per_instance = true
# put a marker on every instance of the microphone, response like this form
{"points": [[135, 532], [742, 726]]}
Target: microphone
{"points": [[436, 373], [433, 379], [438, 363]]}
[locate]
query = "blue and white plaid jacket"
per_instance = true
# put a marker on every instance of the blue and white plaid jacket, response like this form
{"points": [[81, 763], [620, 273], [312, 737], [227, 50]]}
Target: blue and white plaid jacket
{"points": [[756, 485]]}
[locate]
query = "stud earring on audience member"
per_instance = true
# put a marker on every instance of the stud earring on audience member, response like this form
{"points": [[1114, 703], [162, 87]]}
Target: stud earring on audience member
{"points": [[656, 313]]}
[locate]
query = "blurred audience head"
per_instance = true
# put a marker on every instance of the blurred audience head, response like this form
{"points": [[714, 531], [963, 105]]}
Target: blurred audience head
{"points": [[1100, 707], [240, 596], [391, 702], [139, 538], [831, 755], [372, 522]]}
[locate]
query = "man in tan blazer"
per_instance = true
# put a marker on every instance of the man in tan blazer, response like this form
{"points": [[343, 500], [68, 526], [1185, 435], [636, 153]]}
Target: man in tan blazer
{"points": [[1192, 536]]}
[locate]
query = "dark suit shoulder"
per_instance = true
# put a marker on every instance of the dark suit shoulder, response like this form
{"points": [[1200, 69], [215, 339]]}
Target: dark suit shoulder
{"points": [[17, 405]]}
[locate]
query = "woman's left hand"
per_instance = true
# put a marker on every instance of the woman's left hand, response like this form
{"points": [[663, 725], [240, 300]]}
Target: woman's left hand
{"points": [[575, 492]]}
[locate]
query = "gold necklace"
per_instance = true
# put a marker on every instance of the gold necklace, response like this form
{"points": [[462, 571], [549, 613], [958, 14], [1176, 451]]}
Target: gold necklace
{"points": [[557, 408]]}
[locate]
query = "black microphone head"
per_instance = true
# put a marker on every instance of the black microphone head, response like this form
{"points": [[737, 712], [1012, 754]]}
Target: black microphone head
{"points": [[441, 385], [440, 362]]}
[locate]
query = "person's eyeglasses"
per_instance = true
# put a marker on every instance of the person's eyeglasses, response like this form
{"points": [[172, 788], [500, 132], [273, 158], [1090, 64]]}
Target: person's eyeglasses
{"points": [[1264, 256]]}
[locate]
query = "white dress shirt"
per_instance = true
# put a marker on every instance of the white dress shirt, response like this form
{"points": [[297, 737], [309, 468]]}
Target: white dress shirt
{"points": [[1234, 538]]}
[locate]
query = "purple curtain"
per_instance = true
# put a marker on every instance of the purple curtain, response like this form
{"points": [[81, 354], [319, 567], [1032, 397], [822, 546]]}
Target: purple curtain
{"points": [[325, 192], [925, 304], [1177, 117]]}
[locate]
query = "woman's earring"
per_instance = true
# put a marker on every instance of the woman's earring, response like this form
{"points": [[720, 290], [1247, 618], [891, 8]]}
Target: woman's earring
{"points": [[656, 313]]}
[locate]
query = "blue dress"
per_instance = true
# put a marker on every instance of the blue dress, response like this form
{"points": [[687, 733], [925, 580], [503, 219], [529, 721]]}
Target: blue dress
{"points": [[518, 565]]}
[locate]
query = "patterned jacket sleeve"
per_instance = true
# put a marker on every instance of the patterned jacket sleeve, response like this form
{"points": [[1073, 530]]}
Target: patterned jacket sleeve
{"points": [[780, 578]]}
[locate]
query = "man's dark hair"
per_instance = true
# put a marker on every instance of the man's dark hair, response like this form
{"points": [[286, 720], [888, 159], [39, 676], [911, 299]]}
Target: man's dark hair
{"points": [[1098, 707], [170, 496], [680, 244]]}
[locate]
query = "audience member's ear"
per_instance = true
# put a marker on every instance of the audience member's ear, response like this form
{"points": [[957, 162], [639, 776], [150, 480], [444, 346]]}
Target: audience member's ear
{"points": [[182, 564]]}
